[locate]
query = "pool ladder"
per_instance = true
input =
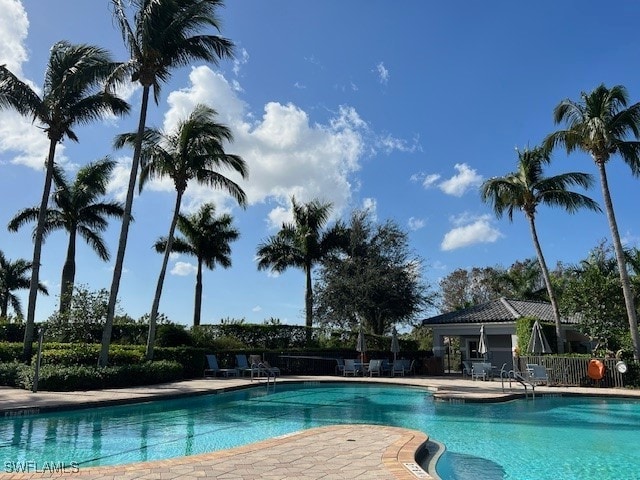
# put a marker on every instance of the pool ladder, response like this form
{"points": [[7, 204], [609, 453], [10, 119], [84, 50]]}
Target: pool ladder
{"points": [[513, 375], [270, 376]]}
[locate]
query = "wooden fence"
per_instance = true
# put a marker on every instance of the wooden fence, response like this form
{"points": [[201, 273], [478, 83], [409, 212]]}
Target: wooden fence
{"points": [[572, 371]]}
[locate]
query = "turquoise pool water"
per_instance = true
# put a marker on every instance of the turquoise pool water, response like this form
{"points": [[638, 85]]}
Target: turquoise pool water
{"points": [[549, 438]]}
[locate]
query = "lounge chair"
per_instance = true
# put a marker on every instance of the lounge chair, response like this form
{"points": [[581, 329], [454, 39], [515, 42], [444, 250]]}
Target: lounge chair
{"points": [[386, 367], [242, 364], [214, 370], [375, 368], [339, 366], [537, 374], [481, 370], [467, 368], [410, 367], [350, 368], [398, 368]]}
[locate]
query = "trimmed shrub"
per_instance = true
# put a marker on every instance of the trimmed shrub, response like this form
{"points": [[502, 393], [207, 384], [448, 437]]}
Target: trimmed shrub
{"points": [[58, 378], [192, 359], [82, 354], [10, 351], [11, 332], [75, 332], [173, 335], [11, 373]]}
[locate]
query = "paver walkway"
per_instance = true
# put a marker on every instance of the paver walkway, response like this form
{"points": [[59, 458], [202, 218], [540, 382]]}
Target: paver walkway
{"points": [[331, 453]]}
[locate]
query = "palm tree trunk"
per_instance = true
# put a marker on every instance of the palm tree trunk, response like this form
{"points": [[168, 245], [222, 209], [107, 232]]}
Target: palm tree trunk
{"points": [[4, 305], [37, 251], [308, 303], [124, 232], [622, 264], [163, 271], [197, 309], [547, 282], [308, 298], [68, 275]]}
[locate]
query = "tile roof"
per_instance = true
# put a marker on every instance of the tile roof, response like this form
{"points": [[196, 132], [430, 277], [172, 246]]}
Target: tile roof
{"points": [[500, 310]]}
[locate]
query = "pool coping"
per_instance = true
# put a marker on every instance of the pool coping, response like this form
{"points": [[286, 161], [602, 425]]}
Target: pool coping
{"points": [[398, 458]]}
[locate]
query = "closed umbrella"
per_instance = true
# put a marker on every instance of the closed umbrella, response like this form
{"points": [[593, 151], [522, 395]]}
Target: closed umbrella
{"points": [[483, 348], [538, 343], [361, 345], [395, 345]]}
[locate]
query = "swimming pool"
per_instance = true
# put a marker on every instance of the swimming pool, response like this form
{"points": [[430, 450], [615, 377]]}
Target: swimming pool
{"points": [[549, 438]]}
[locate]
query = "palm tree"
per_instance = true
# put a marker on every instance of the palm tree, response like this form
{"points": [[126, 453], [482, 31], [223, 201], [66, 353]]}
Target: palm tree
{"points": [[80, 211], [599, 124], [71, 95], [162, 36], [193, 152], [302, 244], [524, 190], [207, 238], [14, 275]]}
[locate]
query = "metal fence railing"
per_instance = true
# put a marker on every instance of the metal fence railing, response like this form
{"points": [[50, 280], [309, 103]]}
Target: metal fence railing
{"points": [[572, 371]]}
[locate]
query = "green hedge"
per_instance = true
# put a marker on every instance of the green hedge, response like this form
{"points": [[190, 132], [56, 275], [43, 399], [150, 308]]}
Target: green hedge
{"points": [[192, 359], [10, 351], [125, 333], [79, 354], [11, 332], [12, 373], [58, 378]]}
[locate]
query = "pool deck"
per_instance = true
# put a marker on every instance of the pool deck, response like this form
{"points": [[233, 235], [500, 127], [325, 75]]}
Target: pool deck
{"points": [[329, 453]]}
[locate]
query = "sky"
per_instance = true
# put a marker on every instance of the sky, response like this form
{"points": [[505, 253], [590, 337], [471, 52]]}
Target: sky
{"points": [[403, 108]]}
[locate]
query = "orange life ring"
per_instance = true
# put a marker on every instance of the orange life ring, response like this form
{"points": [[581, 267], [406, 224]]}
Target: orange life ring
{"points": [[595, 370]]}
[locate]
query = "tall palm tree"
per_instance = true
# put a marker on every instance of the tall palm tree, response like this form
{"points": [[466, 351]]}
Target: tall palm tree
{"points": [[72, 95], [524, 190], [163, 34], [207, 238], [14, 275], [195, 151], [302, 244], [600, 124], [78, 209]]}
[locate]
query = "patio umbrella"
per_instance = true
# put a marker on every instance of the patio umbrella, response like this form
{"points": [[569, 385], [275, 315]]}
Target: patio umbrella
{"points": [[483, 348], [538, 342], [395, 345], [361, 345]]}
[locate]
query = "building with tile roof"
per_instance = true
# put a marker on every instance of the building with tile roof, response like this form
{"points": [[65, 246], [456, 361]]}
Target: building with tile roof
{"points": [[499, 319]]}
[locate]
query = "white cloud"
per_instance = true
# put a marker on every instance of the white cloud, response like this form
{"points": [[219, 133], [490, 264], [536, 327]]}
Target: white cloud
{"points": [[239, 61], [416, 223], [389, 143], [119, 181], [370, 205], [285, 153], [427, 181], [14, 26], [383, 73], [299, 86], [183, 269], [18, 134], [462, 181], [257, 308], [469, 230]]}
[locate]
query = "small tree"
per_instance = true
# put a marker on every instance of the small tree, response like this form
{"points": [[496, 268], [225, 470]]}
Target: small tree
{"points": [[378, 281], [591, 290]]}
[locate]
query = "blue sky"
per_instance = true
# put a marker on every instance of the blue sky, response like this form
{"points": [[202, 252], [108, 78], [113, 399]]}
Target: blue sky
{"points": [[403, 107]]}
